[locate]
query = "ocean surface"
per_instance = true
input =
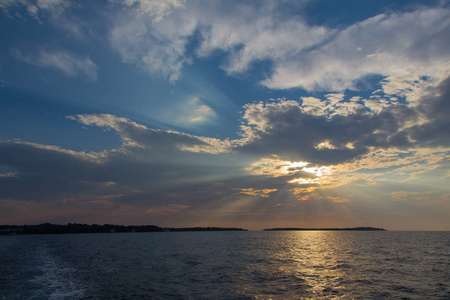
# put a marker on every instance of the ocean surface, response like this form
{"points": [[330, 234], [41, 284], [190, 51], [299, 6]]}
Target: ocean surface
{"points": [[227, 265]]}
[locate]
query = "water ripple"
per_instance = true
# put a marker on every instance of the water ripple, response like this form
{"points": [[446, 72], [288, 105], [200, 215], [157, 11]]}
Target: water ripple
{"points": [[227, 265]]}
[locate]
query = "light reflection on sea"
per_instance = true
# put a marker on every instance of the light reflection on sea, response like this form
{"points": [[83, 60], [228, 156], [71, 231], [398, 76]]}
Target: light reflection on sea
{"points": [[227, 265]]}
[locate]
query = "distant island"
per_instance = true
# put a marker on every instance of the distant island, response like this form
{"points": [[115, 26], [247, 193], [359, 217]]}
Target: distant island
{"points": [[48, 228], [328, 229]]}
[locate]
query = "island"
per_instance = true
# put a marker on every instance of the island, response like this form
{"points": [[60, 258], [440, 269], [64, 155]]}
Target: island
{"points": [[48, 228], [328, 229]]}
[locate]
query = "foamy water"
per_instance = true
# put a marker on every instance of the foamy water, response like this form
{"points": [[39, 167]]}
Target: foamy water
{"points": [[227, 265]]}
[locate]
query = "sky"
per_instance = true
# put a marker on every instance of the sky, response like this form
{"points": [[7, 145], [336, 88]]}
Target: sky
{"points": [[251, 114]]}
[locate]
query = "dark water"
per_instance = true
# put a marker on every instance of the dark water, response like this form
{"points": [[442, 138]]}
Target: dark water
{"points": [[227, 265]]}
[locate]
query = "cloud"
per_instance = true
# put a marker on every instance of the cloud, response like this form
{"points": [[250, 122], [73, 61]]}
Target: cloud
{"points": [[287, 142], [52, 171], [161, 37], [339, 152], [69, 63], [264, 193], [58, 173], [156, 9], [334, 105], [150, 164], [284, 129], [316, 132], [155, 34], [55, 12], [194, 112], [137, 135], [434, 130], [255, 33], [54, 6], [201, 114], [35, 7], [392, 45], [402, 47], [144, 36], [162, 173], [282, 144]]}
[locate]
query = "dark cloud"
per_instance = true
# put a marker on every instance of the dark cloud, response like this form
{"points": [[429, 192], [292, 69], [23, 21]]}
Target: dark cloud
{"points": [[156, 166], [284, 129], [47, 173], [436, 109], [51, 162], [379, 130]]}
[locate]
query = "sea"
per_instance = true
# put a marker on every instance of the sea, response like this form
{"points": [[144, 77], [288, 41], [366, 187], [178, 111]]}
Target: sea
{"points": [[227, 265]]}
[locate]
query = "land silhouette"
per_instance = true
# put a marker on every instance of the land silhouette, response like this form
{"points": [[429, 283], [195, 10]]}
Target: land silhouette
{"points": [[329, 229], [48, 228]]}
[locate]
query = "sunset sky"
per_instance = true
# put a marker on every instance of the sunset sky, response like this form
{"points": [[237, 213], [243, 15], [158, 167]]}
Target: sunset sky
{"points": [[252, 114]]}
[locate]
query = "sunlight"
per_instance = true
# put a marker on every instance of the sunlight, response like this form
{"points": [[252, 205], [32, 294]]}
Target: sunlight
{"points": [[293, 167], [318, 171], [273, 166], [264, 193], [305, 181], [318, 257], [276, 167], [325, 145]]}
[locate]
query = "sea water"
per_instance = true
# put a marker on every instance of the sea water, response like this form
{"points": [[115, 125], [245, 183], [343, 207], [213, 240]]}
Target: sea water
{"points": [[227, 265]]}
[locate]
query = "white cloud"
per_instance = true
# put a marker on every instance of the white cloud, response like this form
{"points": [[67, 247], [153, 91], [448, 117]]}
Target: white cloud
{"points": [[146, 36], [35, 7], [56, 12], [335, 98], [158, 31], [168, 141], [69, 63], [156, 9], [333, 105], [105, 120], [391, 45], [413, 84], [193, 112], [54, 6], [154, 35], [259, 35]]}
